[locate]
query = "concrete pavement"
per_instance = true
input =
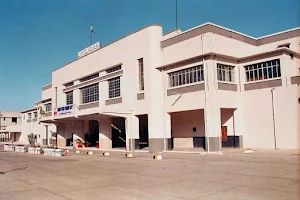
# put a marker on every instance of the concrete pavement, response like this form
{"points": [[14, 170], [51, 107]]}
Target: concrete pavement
{"points": [[259, 176]]}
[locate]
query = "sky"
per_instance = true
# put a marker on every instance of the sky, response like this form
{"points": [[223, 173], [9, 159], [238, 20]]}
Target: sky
{"points": [[39, 36]]}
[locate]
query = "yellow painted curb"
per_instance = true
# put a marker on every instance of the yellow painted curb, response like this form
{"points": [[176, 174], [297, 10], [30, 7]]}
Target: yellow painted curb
{"points": [[157, 157], [128, 155]]}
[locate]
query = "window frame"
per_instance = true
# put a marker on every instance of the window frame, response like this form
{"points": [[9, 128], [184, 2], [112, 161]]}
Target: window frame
{"points": [[141, 74], [114, 87], [227, 73], [48, 107], [89, 94], [266, 69], [186, 76], [69, 98]]}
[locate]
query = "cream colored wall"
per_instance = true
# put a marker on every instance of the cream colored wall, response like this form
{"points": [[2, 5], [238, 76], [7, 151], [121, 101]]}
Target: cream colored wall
{"points": [[46, 94], [258, 118], [272, 46], [183, 123], [171, 34]]}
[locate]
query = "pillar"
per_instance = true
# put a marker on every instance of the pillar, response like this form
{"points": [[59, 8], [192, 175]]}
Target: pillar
{"points": [[105, 136], [212, 112], [238, 125], [132, 132]]}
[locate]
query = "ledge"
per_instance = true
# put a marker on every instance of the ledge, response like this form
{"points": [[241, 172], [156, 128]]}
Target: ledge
{"points": [[186, 89], [88, 105], [140, 96], [227, 86], [263, 84], [113, 101]]}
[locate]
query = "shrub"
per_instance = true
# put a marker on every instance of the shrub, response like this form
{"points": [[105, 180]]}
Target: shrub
{"points": [[32, 139]]}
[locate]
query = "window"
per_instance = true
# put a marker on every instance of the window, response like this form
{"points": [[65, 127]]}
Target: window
{"points": [[90, 93], [69, 98], [141, 74], [89, 77], [114, 87], [186, 76], [29, 116], [35, 115], [263, 70], [69, 84], [14, 120], [225, 73], [113, 69], [3, 118], [48, 107]]}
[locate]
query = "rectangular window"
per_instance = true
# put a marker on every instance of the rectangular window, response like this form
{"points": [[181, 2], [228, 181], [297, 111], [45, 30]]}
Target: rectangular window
{"points": [[141, 74], [14, 120], [69, 98], [186, 76], [263, 70], [113, 69], [35, 115], [225, 72], [69, 84], [114, 87], [89, 77], [29, 116], [90, 93], [48, 107], [3, 118]]}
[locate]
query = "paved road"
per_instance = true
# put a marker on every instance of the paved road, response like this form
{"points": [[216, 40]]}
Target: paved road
{"points": [[232, 176]]}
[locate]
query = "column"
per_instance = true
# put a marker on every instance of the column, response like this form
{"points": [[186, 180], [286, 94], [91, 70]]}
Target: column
{"points": [[105, 136], [238, 125], [212, 113], [132, 132]]}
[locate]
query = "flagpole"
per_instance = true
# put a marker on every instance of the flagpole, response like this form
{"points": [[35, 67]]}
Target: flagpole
{"points": [[176, 15], [91, 36]]}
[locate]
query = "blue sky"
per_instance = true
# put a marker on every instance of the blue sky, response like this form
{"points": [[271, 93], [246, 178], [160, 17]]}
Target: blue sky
{"points": [[38, 36]]}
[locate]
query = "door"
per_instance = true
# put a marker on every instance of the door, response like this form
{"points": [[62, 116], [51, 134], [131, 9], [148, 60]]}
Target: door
{"points": [[224, 133]]}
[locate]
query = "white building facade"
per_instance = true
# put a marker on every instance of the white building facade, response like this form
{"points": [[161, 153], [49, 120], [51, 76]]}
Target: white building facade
{"points": [[208, 87]]}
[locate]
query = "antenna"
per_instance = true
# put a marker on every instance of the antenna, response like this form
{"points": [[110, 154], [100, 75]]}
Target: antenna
{"points": [[176, 15]]}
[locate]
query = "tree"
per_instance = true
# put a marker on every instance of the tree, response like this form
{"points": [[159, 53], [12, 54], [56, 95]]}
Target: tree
{"points": [[32, 139]]}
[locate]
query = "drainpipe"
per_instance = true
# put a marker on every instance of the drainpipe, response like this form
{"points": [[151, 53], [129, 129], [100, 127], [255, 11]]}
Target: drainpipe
{"points": [[217, 91], [164, 99], [205, 88], [273, 114]]}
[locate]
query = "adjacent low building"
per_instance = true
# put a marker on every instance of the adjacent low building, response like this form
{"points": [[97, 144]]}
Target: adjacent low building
{"points": [[8, 119], [208, 87]]}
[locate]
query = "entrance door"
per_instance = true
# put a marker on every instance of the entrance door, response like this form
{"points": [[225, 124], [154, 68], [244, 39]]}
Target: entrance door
{"points": [[224, 133]]}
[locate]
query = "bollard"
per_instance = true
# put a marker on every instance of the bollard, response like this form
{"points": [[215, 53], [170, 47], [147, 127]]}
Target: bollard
{"points": [[90, 153], [77, 151], [157, 157], [128, 155], [106, 154]]}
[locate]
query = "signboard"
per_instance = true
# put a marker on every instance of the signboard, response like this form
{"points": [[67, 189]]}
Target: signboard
{"points": [[65, 110], [89, 50]]}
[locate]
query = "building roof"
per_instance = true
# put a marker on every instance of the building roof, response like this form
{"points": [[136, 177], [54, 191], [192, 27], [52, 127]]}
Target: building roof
{"points": [[29, 110]]}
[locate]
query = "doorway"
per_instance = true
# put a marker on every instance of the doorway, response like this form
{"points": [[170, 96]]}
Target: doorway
{"points": [[118, 132], [92, 137], [143, 132]]}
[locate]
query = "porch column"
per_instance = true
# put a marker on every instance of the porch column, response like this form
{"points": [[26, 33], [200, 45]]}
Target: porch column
{"points": [[132, 132], [238, 125], [105, 135], [212, 112]]}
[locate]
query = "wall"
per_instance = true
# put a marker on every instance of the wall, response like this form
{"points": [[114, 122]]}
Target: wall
{"points": [[182, 123]]}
